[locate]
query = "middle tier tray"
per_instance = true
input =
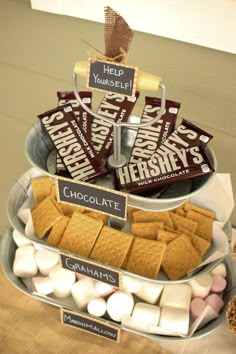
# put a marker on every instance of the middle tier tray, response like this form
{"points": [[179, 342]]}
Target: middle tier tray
{"points": [[19, 194]]}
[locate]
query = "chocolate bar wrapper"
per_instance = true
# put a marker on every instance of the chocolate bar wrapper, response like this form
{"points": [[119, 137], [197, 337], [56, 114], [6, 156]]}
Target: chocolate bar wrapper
{"points": [[84, 118], [115, 107], [72, 145], [161, 171], [185, 135], [149, 138]]}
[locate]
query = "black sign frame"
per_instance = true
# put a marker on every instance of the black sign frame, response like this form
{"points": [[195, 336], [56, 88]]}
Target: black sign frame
{"points": [[112, 77], [92, 197], [90, 325], [91, 269]]}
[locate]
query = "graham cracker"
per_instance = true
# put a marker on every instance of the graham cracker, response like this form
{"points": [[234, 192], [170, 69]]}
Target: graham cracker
{"points": [[41, 188], [130, 213], [189, 224], [145, 257], [166, 236], [112, 247], [180, 257], [147, 216], [80, 234], [200, 245], [148, 230], [44, 216], [68, 209], [57, 231], [203, 211], [98, 216], [204, 226], [170, 229], [180, 211]]}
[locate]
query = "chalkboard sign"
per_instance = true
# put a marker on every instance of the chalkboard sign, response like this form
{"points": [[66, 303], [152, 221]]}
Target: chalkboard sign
{"points": [[91, 325], [91, 269], [94, 197], [112, 77]]}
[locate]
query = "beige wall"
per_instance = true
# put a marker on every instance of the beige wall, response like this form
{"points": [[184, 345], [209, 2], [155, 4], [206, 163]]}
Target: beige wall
{"points": [[37, 54]]}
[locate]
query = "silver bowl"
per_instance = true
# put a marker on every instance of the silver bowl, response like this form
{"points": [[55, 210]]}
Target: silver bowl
{"points": [[41, 154], [7, 254]]}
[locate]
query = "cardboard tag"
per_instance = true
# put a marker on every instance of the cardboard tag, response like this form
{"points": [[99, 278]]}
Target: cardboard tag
{"points": [[91, 269], [112, 77], [93, 197], [91, 325]]}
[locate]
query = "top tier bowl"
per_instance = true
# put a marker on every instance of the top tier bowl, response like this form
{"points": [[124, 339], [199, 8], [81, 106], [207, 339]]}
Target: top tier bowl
{"points": [[41, 154]]}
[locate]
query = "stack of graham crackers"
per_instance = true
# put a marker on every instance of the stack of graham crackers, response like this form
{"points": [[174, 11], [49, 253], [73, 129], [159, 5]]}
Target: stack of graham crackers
{"points": [[174, 240], [186, 232]]}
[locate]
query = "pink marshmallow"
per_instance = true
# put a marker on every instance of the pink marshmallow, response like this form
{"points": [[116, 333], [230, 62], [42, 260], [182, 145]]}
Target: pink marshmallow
{"points": [[197, 306], [218, 284], [104, 289], [215, 302]]}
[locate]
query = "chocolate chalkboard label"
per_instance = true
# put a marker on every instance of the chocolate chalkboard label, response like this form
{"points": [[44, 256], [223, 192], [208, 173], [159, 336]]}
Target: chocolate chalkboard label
{"points": [[112, 77], [91, 325], [93, 197], [91, 269]]}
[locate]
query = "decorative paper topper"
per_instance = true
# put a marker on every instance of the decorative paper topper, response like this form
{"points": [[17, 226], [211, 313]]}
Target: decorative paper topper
{"points": [[117, 36], [109, 72]]}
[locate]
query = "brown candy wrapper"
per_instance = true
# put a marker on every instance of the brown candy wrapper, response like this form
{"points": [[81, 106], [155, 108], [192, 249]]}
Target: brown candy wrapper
{"points": [[149, 138], [83, 117], [72, 145], [114, 107], [184, 136], [161, 171]]}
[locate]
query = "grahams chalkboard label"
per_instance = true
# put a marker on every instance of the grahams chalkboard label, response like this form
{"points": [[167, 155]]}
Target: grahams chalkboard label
{"points": [[91, 269]]}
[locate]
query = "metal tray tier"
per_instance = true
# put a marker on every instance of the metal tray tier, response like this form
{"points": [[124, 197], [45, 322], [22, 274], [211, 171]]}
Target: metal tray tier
{"points": [[41, 154], [7, 254], [18, 195]]}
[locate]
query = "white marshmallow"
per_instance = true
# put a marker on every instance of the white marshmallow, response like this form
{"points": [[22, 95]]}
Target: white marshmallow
{"points": [[173, 319], [24, 264], [149, 292], [129, 322], [46, 260], [118, 304], [176, 295], [201, 286], [220, 270], [83, 291], [147, 313], [20, 239], [42, 285], [97, 307], [104, 289], [130, 284], [62, 280]]}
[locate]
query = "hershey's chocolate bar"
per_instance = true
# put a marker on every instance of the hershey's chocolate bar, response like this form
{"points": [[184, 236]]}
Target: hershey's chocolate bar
{"points": [[184, 136], [114, 107], [83, 117], [72, 145], [161, 171], [149, 138]]}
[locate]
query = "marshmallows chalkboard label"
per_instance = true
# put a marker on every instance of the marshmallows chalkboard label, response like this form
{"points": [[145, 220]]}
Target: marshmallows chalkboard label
{"points": [[91, 325], [91, 269], [112, 77], [94, 197]]}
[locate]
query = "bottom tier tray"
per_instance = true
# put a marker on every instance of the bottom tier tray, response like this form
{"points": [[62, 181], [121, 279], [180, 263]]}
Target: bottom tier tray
{"points": [[7, 253]]}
